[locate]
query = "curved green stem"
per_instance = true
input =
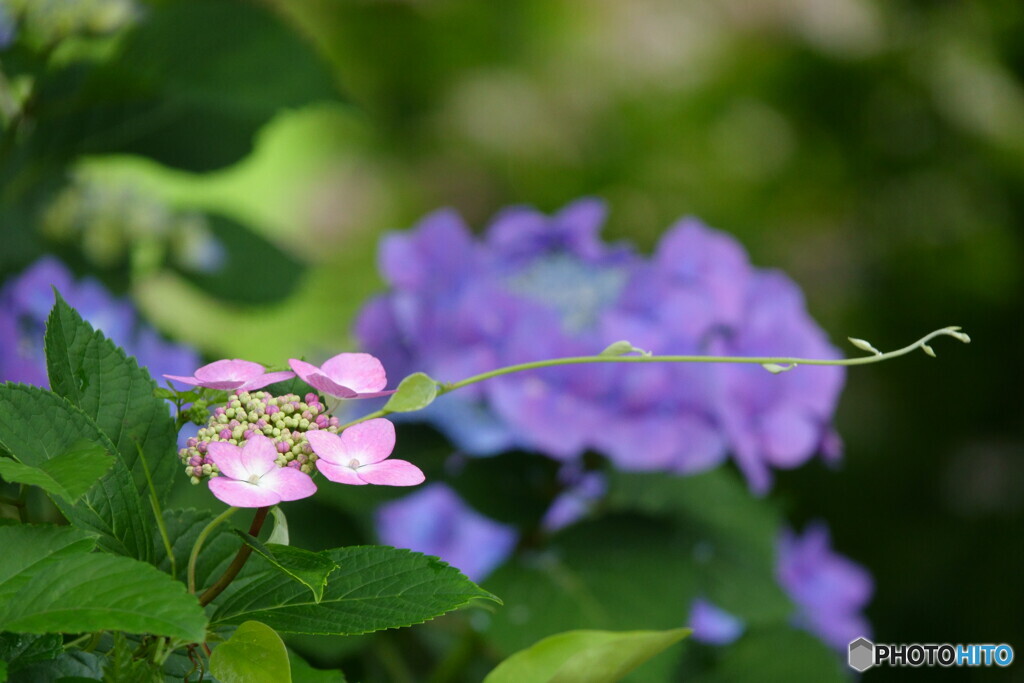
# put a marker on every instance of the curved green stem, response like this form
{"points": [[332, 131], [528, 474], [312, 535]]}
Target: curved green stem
{"points": [[199, 545], [773, 364]]}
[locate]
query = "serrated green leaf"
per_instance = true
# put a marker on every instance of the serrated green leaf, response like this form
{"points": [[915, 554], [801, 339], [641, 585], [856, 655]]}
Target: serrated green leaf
{"points": [[254, 654], [97, 376], [374, 588], [28, 546], [308, 568], [68, 475], [37, 425], [87, 592], [183, 528], [584, 656], [415, 392]]}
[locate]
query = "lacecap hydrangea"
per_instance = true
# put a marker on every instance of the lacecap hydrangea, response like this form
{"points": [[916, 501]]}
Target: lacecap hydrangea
{"points": [[536, 286]]}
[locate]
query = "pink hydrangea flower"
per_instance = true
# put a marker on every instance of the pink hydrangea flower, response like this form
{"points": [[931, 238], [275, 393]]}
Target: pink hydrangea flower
{"points": [[250, 477], [347, 375], [358, 456], [233, 375]]}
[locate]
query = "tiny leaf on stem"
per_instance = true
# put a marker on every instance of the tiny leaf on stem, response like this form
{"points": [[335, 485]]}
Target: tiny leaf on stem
{"points": [[415, 392]]}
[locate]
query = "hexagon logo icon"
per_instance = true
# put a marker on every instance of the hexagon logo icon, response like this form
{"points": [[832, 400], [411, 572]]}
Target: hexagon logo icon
{"points": [[862, 654]]}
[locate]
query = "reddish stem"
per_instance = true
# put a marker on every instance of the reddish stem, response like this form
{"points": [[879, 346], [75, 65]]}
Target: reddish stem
{"points": [[236, 565]]}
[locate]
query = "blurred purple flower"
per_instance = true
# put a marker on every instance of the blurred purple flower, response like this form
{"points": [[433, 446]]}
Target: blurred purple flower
{"points": [[828, 589], [577, 500], [25, 303], [712, 625], [435, 521], [538, 286]]}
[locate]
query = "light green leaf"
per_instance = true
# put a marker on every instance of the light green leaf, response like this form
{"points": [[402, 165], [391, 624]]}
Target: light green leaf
{"points": [[776, 369], [415, 392], [279, 534], [68, 475], [36, 426], [584, 656], [308, 568], [94, 374], [254, 654], [619, 348], [84, 592], [374, 588]]}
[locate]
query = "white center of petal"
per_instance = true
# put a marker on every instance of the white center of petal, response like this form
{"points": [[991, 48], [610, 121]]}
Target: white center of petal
{"points": [[354, 463], [254, 479]]}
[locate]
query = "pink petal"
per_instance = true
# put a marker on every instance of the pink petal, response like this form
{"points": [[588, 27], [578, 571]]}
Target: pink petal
{"points": [[258, 456], [391, 473], [288, 483], [229, 370], [369, 441], [360, 372], [228, 459], [311, 375], [341, 474], [187, 380], [328, 446], [242, 494], [264, 380]]}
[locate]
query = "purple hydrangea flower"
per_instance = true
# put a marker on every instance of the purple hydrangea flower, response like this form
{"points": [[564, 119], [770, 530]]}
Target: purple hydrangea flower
{"points": [[828, 589], [537, 286], [25, 303], [435, 521], [712, 625]]}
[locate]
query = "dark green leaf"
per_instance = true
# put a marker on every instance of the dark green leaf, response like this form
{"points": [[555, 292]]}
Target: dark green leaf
{"points": [[69, 667], [86, 592], [584, 656], [93, 373], [26, 547], [308, 568], [254, 654], [374, 588], [68, 475], [20, 650], [37, 425], [121, 665], [415, 392], [183, 528], [302, 672]]}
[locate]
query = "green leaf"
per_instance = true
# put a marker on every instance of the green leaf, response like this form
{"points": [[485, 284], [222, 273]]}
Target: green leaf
{"points": [[26, 547], [374, 588], [619, 348], [121, 666], [68, 475], [20, 650], [86, 592], [584, 656], [183, 528], [254, 654], [37, 425], [68, 667], [415, 392], [279, 534], [93, 373], [308, 568], [302, 672]]}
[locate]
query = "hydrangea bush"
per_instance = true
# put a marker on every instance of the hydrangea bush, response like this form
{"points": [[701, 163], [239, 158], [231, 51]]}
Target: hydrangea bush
{"points": [[525, 330]]}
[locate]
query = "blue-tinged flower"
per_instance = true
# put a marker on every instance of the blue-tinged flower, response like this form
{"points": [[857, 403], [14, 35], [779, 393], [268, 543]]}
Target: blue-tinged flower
{"points": [[25, 303], [829, 590], [435, 521], [712, 625], [537, 286]]}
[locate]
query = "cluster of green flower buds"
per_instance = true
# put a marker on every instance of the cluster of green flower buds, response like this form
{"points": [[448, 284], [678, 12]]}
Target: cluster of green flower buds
{"points": [[283, 419]]}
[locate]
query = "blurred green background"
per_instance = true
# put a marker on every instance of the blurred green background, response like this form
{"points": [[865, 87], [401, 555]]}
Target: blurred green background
{"points": [[874, 151]]}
